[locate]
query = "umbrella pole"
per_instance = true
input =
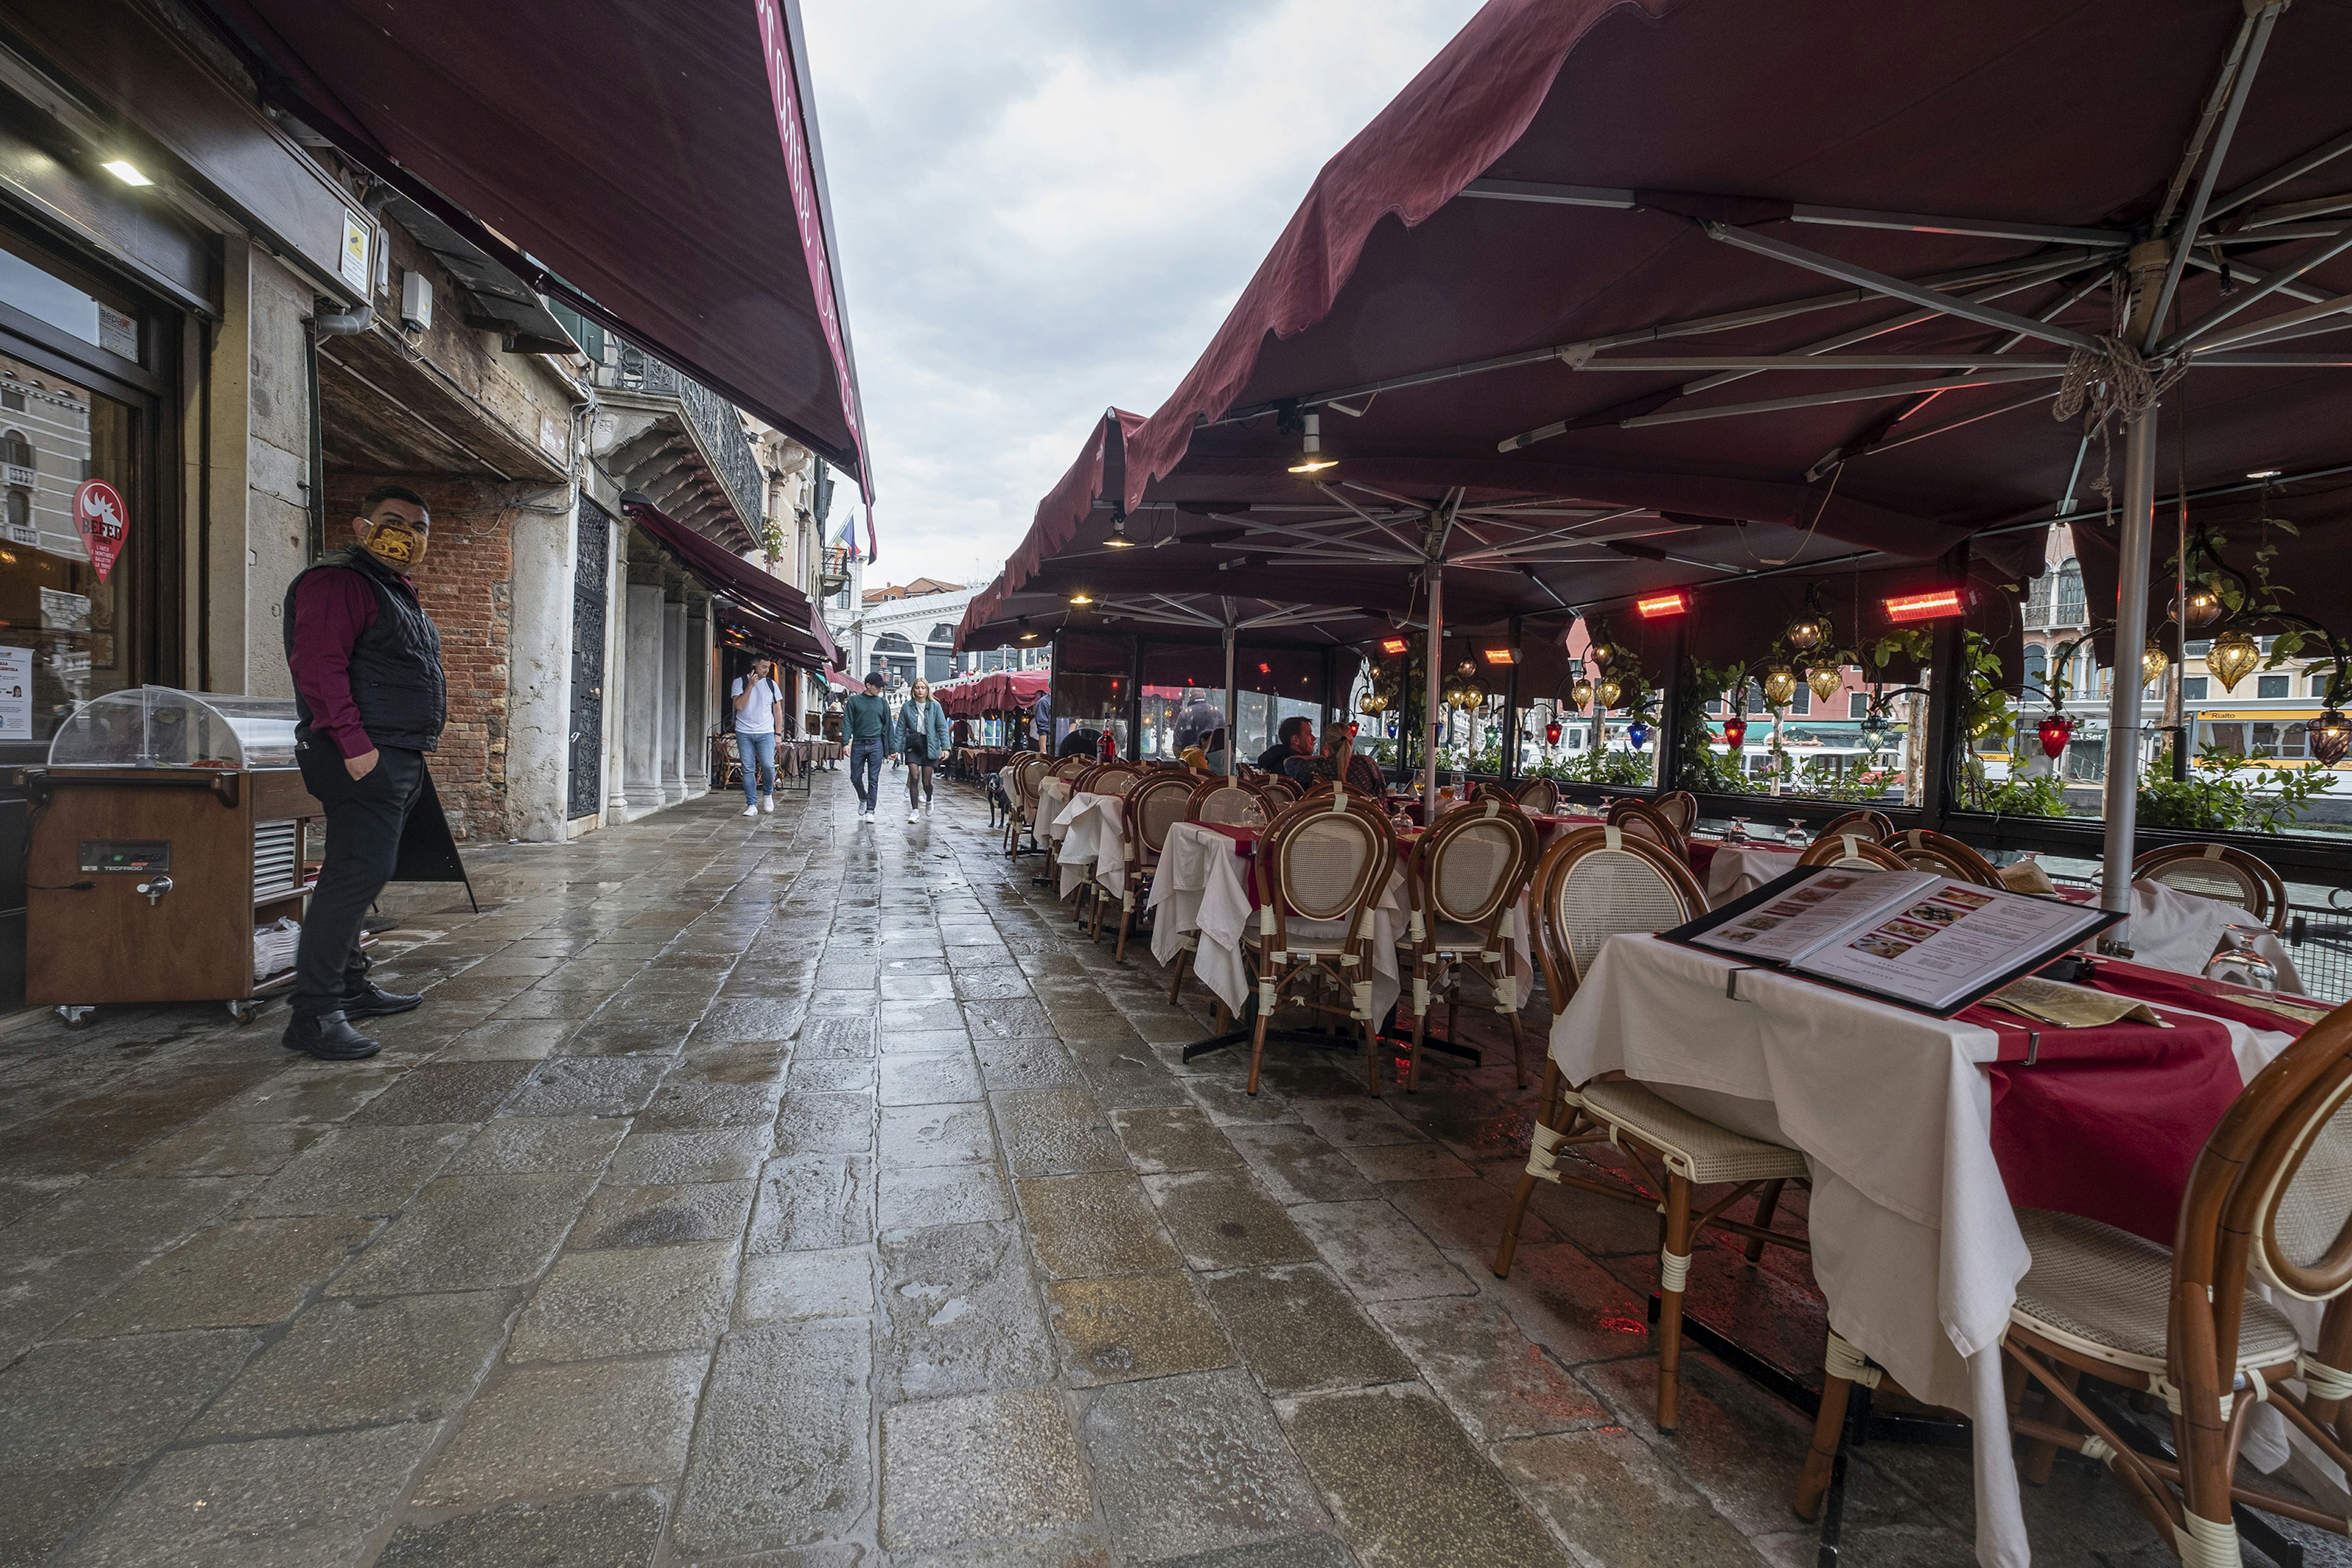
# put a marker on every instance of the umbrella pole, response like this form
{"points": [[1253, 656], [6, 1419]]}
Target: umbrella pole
{"points": [[1431, 677], [2133, 539], [1233, 698]]}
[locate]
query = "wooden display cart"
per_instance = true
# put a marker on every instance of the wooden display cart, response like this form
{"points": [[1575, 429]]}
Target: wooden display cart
{"points": [[168, 827]]}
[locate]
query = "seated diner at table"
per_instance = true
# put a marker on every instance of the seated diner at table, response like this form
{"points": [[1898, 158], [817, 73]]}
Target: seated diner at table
{"points": [[1338, 760]]}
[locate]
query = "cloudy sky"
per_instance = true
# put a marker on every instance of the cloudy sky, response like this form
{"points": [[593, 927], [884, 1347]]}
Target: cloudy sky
{"points": [[1045, 207]]}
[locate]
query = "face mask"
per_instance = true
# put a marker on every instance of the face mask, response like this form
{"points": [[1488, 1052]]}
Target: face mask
{"points": [[396, 545]]}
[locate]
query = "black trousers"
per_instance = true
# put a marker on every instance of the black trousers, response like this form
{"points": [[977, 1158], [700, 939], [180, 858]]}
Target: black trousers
{"points": [[364, 821]]}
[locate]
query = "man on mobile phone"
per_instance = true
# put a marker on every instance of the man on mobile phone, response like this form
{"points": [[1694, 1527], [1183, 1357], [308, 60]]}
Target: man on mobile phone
{"points": [[371, 701], [759, 719]]}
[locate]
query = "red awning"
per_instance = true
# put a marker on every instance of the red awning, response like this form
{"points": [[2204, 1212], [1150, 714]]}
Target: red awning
{"points": [[767, 607], [997, 691], [657, 166], [1574, 184]]}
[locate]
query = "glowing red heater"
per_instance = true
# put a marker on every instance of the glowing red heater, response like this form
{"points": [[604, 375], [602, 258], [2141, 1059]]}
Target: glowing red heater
{"points": [[1656, 604], [1931, 606]]}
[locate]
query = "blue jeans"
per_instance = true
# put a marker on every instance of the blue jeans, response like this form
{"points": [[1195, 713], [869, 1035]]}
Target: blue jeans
{"points": [[757, 755], [866, 770]]}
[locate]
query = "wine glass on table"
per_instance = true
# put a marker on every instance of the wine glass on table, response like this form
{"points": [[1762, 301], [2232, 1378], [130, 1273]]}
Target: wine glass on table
{"points": [[1795, 837], [1737, 832]]}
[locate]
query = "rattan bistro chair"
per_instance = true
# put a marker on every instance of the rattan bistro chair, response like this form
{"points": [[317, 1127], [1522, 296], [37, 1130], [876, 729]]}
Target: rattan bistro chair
{"points": [[1279, 788], [1680, 807], [1851, 851], [1118, 779], [1640, 819], [2220, 872], [1325, 861], [2269, 1204], [1541, 796], [1028, 773], [1158, 802], [1465, 877], [1223, 803], [1923, 849], [1593, 884], [1863, 824]]}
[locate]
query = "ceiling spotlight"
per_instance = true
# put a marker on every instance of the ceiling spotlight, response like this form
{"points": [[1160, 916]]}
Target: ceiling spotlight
{"points": [[1119, 539], [1080, 597], [1312, 457], [2265, 474], [126, 171], [1028, 631]]}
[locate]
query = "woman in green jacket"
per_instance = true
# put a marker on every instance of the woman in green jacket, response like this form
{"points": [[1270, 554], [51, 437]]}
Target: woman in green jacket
{"points": [[919, 736]]}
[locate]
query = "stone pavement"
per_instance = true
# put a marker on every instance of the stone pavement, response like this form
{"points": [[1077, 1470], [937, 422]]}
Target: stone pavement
{"points": [[793, 1192]]}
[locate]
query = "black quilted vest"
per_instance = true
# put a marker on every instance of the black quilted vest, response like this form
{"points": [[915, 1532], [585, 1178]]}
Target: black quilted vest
{"points": [[396, 681]]}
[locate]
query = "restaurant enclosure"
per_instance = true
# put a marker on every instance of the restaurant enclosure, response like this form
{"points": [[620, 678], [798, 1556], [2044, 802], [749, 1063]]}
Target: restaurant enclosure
{"points": [[257, 259], [1634, 344]]}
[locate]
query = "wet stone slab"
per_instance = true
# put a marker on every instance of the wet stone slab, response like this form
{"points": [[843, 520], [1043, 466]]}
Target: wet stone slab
{"points": [[80, 1405], [610, 1532], [706, 1154], [1084, 1227], [936, 1135], [1223, 1219], [964, 1314], [664, 1215], [629, 1301], [1298, 1166], [825, 1124], [1498, 1382], [1056, 1133], [537, 1144], [347, 1363], [1159, 1139], [1028, 1063], [469, 1233], [939, 1079], [780, 1455], [587, 1086], [443, 1092], [1299, 1329], [582, 1426], [922, 1195], [1195, 1463], [788, 1286], [1380, 1253], [1134, 1326], [245, 1272], [813, 1203], [359, 1170], [980, 1466], [1613, 1497]]}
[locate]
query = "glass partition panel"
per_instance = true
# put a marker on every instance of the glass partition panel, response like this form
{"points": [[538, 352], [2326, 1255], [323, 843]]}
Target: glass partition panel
{"points": [[1184, 698], [1088, 703]]}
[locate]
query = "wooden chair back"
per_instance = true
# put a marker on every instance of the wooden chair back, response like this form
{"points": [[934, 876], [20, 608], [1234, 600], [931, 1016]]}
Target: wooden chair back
{"points": [[1281, 787], [1323, 860], [1679, 807], [1471, 868], [1228, 802], [1595, 883], [1924, 849], [1115, 778], [1851, 851], [1029, 771], [1863, 824], [1158, 802], [2218, 871], [1072, 767], [1541, 796], [1644, 820]]}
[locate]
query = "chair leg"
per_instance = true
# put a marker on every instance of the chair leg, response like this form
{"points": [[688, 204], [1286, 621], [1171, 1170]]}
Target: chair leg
{"points": [[1372, 1059], [1768, 1203], [1412, 1062], [1549, 1117], [1674, 1268], [1126, 920], [1518, 1053], [1820, 1459], [1257, 1049], [1176, 974]]}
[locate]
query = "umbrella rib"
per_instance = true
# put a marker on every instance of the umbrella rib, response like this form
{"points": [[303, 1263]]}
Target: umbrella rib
{"points": [[2318, 254], [2184, 241], [1394, 537], [2293, 169], [1252, 526], [1548, 195], [1821, 399], [1895, 287]]}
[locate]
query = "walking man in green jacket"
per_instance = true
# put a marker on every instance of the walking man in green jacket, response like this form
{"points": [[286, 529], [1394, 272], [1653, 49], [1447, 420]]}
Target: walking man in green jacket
{"points": [[866, 724]]}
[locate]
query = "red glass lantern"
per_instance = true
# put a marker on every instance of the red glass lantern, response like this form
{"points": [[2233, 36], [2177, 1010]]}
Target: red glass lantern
{"points": [[2054, 732], [1351, 729], [1552, 734], [1735, 732]]}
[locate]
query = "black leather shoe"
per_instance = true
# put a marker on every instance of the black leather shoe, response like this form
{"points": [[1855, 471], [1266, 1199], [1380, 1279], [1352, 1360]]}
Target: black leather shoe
{"points": [[373, 1001], [328, 1037]]}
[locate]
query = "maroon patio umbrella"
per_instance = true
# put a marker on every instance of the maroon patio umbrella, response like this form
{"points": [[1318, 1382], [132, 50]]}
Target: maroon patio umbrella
{"points": [[1615, 297]]}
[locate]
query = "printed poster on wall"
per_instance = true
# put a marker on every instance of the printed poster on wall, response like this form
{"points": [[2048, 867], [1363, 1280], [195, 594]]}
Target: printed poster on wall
{"points": [[99, 513], [16, 694]]}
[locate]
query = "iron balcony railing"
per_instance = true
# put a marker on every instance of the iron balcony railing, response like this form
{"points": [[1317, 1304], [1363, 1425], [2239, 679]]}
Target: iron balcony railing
{"points": [[714, 420]]}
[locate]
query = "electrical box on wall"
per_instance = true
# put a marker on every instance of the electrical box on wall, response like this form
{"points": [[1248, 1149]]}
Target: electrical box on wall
{"points": [[416, 300]]}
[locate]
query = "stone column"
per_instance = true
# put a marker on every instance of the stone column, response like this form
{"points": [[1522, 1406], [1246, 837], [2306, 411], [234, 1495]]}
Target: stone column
{"points": [[539, 662], [672, 741], [617, 675], [642, 718], [698, 695]]}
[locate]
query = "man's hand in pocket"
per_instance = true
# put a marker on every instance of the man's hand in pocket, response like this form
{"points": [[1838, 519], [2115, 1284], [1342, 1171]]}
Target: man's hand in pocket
{"points": [[361, 765]]}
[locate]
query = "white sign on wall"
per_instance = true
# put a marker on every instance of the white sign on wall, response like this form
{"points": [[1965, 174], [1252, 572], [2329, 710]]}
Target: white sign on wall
{"points": [[16, 694]]}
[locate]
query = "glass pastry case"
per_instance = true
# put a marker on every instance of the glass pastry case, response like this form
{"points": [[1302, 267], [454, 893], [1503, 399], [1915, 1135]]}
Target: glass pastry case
{"points": [[167, 830]]}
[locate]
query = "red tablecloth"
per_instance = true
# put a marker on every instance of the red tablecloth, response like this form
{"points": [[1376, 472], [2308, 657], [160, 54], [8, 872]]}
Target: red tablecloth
{"points": [[2108, 1121]]}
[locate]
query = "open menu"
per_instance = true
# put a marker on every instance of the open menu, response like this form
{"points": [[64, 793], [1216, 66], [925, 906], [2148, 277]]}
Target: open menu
{"points": [[1913, 938]]}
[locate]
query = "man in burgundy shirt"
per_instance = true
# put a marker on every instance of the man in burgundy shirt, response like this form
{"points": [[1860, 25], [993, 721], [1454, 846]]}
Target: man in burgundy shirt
{"points": [[368, 691]]}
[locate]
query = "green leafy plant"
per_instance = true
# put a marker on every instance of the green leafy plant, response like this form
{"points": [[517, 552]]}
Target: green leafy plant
{"points": [[1706, 771], [2014, 796], [1819, 777], [2225, 793]]}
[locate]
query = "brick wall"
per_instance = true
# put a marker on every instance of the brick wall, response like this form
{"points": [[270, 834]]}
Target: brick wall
{"points": [[466, 586]]}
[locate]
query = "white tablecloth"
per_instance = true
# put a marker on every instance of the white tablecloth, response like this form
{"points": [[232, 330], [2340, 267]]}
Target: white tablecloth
{"points": [[1092, 833], [1053, 798], [1741, 869], [1915, 1244], [2176, 931], [1197, 891]]}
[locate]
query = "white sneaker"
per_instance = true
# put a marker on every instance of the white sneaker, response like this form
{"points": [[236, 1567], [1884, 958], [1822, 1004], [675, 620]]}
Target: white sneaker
{"points": [[750, 811], [768, 805], [914, 815]]}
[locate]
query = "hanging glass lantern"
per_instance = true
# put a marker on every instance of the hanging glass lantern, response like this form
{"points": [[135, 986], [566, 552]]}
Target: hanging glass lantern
{"points": [[1638, 732], [1374, 700], [1579, 694], [1810, 630], [2204, 608], [2232, 657], [2153, 663], [1780, 685], [1601, 654], [1607, 692], [2330, 735], [1875, 733], [1735, 732], [1352, 728], [2054, 731], [1551, 734], [1825, 679]]}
